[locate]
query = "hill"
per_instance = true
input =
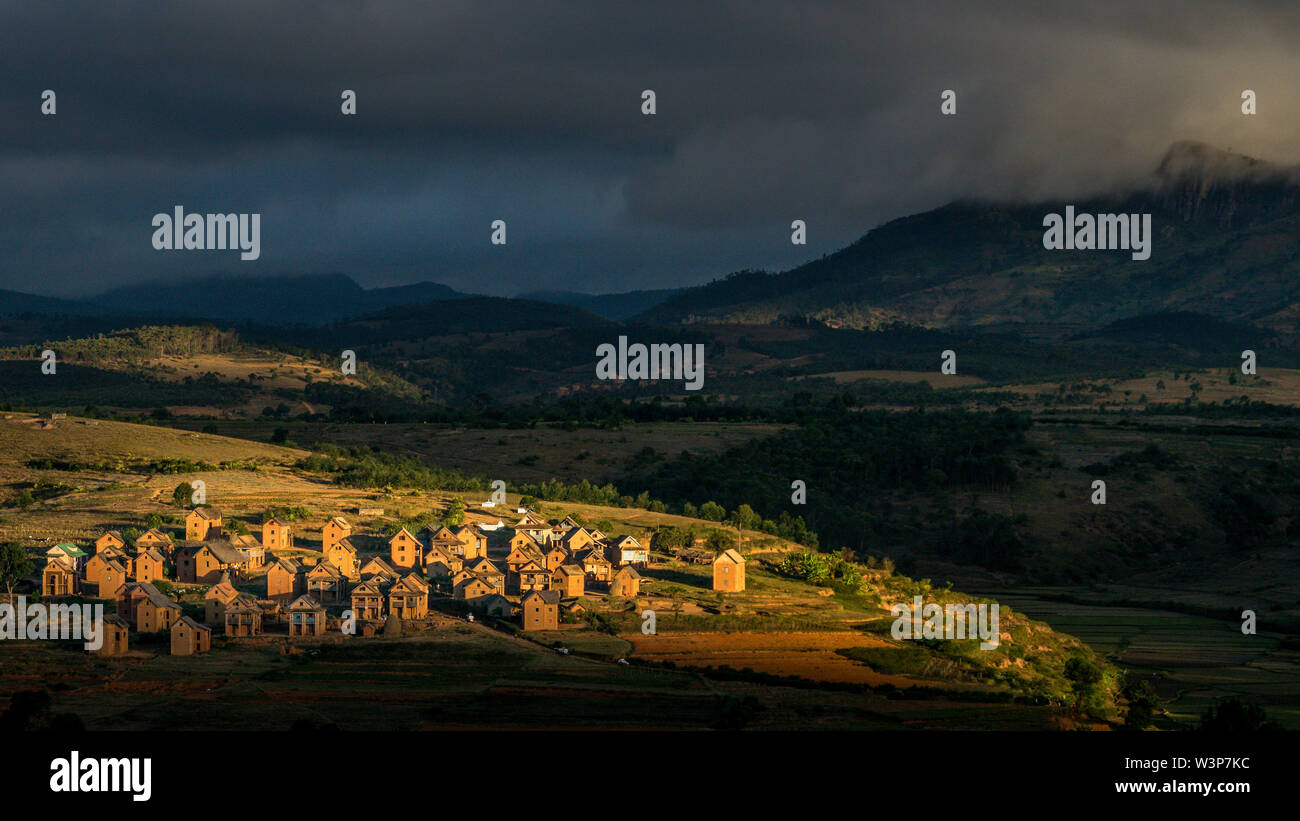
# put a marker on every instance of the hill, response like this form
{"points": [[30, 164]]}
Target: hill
{"points": [[308, 299], [613, 306], [1226, 244]]}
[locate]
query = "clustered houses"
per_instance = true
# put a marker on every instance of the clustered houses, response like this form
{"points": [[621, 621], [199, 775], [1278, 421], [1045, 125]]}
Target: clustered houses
{"points": [[548, 568]]}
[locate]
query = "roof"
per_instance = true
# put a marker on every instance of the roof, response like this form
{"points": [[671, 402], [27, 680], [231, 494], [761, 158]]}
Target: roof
{"points": [[548, 596], [158, 599], [731, 555], [222, 590], [186, 620], [346, 544], [339, 521], [155, 533], [305, 603], [325, 568], [68, 549], [275, 520], [243, 602], [287, 564], [152, 554], [205, 513], [225, 552], [379, 560], [118, 620], [116, 534], [569, 570], [628, 570]]}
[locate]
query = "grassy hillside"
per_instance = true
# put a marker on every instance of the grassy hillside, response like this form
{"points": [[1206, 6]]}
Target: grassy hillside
{"points": [[93, 477]]}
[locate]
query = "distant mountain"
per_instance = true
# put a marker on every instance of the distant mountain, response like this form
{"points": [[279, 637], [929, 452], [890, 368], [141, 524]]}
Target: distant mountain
{"points": [[1226, 244], [13, 303], [314, 299], [614, 306]]}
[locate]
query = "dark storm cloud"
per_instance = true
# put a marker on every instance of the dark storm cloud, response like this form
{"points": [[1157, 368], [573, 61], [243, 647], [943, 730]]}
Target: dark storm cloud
{"points": [[529, 112]]}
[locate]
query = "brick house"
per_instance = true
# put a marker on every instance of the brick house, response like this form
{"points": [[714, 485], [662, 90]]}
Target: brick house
{"points": [[115, 631], [216, 599], [406, 551], [368, 601], [343, 555], [596, 566], [251, 549], [130, 596], [111, 538], [541, 610], [532, 576], [202, 523], [243, 616], [626, 582], [156, 613], [409, 598], [441, 562], [472, 587], [378, 568], [527, 551], [306, 617], [555, 556], [190, 637], [568, 580], [107, 570], [154, 539], [334, 531], [627, 550], [475, 543], [729, 571], [276, 534], [494, 605], [284, 579], [149, 566], [204, 563], [325, 583], [59, 578]]}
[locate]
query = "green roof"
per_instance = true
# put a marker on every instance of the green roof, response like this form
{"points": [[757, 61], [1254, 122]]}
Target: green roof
{"points": [[71, 549]]}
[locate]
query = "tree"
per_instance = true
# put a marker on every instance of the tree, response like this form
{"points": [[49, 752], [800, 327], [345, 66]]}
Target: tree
{"points": [[1142, 702], [718, 541], [713, 511], [455, 513], [14, 565], [26, 500], [183, 494], [745, 518], [1084, 676]]}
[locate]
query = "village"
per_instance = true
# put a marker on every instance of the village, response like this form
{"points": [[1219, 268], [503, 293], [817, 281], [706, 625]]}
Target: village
{"points": [[532, 576]]}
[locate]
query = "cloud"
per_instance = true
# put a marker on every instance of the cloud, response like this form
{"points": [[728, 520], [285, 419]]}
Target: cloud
{"points": [[470, 111]]}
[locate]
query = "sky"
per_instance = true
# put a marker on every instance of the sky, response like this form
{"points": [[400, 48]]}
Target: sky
{"points": [[527, 112]]}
